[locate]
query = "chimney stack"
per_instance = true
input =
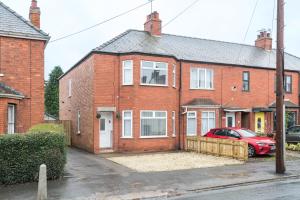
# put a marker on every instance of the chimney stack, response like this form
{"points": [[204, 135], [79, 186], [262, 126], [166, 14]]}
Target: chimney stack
{"points": [[34, 14], [264, 40], [153, 24]]}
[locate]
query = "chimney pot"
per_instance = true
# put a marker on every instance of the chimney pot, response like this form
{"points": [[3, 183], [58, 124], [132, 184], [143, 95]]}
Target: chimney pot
{"points": [[264, 40], [153, 24], [34, 14]]}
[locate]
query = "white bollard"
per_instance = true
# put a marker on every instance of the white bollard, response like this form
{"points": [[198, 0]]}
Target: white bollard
{"points": [[42, 188]]}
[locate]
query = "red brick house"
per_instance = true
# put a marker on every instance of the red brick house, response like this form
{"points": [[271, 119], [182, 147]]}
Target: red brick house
{"points": [[145, 91], [22, 45]]}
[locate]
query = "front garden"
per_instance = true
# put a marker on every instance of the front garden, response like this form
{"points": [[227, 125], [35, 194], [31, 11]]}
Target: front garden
{"points": [[22, 154]]}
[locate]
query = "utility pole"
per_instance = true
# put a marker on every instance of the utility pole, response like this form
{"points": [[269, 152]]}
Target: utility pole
{"points": [[280, 166]]}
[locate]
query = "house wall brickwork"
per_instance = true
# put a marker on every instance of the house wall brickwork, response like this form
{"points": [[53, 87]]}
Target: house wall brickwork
{"points": [[22, 63]]}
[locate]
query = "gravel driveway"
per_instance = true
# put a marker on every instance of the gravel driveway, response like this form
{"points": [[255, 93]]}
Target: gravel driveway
{"points": [[155, 162]]}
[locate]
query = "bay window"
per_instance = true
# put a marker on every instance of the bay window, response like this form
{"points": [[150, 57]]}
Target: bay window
{"points": [[154, 73], [153, 123], [127, 124], [127, 72]]}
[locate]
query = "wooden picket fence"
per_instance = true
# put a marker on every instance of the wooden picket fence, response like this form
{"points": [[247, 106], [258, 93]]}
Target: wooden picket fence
{"points": [[67, 128], [218, 147]]}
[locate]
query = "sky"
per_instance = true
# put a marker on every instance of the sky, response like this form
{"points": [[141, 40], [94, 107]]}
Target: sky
{"points": [[210, 19]]}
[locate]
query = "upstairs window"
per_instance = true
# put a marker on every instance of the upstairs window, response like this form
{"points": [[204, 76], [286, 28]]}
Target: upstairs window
{"points": [[288, 83], [246, 81], [201, 78], [174, 76], [154, 73], [127, 72]]}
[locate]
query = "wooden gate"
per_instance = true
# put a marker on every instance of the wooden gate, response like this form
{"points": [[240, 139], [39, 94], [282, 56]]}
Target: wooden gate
{"points": [[67, 129]]}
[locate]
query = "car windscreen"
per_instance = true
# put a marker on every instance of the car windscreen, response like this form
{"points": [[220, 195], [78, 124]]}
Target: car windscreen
{"points": [[247, 133]]}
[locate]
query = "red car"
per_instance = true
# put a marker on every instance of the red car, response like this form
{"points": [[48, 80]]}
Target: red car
{"points": [[256, 145]]}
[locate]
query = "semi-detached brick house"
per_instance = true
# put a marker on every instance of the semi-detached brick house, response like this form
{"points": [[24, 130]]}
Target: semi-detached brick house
{"points": [[22, 45], [145, 91]]}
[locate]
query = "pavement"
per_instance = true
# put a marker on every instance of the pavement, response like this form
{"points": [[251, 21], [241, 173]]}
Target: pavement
{"points": [[91, 176]]}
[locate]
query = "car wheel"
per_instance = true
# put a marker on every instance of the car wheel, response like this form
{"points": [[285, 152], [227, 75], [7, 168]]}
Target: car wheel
{"points": [[251, 151]]}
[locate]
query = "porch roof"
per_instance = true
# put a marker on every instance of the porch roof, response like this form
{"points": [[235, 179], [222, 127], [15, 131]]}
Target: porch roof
{"points": [[8, 92], [287, 103], [201, 102]]}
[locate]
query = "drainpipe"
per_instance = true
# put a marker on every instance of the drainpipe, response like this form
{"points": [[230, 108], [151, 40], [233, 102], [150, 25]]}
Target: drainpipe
{"points": [[179, 110]]}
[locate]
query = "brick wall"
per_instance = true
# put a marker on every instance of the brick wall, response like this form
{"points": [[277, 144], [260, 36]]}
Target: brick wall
{"points": [[22, 63], [81, 99]]}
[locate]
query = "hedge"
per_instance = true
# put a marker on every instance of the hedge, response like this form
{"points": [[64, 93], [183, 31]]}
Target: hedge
{"points": [[22, 154], [293, 147]]}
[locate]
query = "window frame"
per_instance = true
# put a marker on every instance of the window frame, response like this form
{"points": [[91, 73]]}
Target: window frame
{"points": [[123, 123], [198, 78], [78, 121], [153, 111], [153, 64], [247, 81], [123, 72], [208, 118], [14, 118], [174, 76], [291, 84], [187, 121], [173, 123]]}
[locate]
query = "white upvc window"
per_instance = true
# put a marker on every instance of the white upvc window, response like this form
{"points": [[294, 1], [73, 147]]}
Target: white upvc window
{"points": [[70, 87], [201, 78], [153, 124], [174, 123], [127, 124], [78, 122], [127, 72], [208, 121], [174, 75], [191, 129], [154, 73], [11, 118]]}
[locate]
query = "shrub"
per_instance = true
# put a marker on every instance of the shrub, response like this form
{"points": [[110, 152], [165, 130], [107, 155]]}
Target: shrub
{"points": [[22, 154], [48, 127], [293, 147]]}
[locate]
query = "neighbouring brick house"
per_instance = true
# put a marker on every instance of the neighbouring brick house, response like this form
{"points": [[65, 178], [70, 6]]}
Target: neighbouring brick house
{"points": [[145, 91], [22, 45]]}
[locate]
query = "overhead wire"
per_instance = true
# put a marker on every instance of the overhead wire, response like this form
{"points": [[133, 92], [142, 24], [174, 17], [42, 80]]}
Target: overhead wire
{"points": [[102, 22]]}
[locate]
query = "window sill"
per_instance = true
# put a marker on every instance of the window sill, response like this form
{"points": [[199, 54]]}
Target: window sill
{"points": [[154, 85], [126, 137], [153, 137], [212, 89], [127, 84], [174, 136]]}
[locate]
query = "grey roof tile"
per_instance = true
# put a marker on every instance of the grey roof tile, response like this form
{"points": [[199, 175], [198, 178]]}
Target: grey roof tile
{"points": [[201, 102], [13, 24], [196, 49], [6, 90]]}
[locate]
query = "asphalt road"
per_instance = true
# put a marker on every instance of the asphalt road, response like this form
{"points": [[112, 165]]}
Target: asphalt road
{"points": [[281, 190]]}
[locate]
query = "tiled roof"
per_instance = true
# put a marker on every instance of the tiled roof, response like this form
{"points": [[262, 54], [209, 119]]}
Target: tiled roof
{"points": [[201, 102], [6, 91], [196, 49], [287, 104], [13, 24]]}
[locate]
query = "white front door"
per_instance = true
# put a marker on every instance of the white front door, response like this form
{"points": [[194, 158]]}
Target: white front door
{"points": [[106, 129], [11, 119], [230, 119]]}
